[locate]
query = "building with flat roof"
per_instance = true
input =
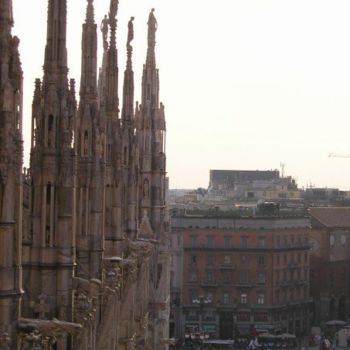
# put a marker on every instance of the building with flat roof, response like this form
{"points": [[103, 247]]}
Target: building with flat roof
{"points": [[330, 258], [240, 274]]}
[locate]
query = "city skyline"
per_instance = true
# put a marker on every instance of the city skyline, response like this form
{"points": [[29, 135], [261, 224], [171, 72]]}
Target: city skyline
{"points": [[245, 84]]}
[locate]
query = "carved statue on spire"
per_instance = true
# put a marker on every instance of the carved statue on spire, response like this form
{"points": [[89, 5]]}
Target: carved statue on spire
{"points": [[130, 33], [104, 30], [152, 28]]}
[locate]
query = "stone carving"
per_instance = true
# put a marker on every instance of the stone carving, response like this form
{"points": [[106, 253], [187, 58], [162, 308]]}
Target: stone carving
{"points": [[5, 341], [37, 332], [86, 296]]}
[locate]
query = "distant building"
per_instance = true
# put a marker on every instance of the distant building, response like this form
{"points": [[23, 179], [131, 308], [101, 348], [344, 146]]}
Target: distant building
{"points": [[326, 197], [330, 263], [252, 185], [240, 274]]}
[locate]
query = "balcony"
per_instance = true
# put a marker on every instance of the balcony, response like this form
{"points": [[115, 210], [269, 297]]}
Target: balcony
{"points": [[286, 284], [244, 284], [229, 266], [211, 283]]}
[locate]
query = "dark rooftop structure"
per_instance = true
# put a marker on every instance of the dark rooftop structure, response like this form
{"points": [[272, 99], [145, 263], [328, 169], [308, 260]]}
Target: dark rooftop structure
{"points": [[230, 177]]}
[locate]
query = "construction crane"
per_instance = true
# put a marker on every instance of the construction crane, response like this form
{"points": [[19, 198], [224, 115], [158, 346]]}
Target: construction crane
{"points": [[337, 155]]}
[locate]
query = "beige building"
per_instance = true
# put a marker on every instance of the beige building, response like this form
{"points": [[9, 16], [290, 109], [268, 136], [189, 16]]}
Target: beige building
{"points": [[89, 237]]}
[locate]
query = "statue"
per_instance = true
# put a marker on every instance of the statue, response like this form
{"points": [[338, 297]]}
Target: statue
{"points": [[152, 28], [130, 32], [145, 188], [104, 30]]}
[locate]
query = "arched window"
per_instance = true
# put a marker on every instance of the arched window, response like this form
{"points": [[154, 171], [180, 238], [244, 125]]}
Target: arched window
{"points": [[48, 215], [18, 109]]}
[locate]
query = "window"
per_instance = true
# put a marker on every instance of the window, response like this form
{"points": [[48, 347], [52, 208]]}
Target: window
{"points": [[209, 298], [305, 258], [244, 258], [210, 241], [261, 277], [193, 259], [261, 298], [278, 241], [244, 242], [193, 276], [209, 315], [299, 240], [209, 276], [244, 298], [227, 259], [261, 260], [192, 294], [243, 277], [261, 242], [226, 298], [226, 276], [227, 242], [278, 259], [210, 259], [192, 315], [278, 298], [193, 241]]}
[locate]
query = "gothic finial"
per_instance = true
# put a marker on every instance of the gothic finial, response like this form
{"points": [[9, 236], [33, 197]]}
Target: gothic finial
{"points": [[112, 21], [90, 12], [113, 9]]}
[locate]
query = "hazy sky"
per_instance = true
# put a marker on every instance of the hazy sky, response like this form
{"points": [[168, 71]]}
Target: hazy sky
{"points": [[246, 84]]}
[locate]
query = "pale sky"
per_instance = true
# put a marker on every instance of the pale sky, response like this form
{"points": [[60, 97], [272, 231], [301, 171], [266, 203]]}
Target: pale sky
{"points": [[247, 84]]}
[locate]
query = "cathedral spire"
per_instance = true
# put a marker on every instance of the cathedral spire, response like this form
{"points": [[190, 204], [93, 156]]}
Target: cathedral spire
{"points": [[88, 82], [112, 100], [56, 51], [128, 89], [6, 17], [150, 79]]}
